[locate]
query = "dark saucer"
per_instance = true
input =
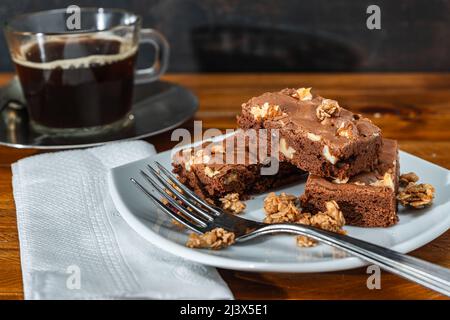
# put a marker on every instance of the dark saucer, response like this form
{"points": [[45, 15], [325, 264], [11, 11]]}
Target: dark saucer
{"points": [[157, 107]]}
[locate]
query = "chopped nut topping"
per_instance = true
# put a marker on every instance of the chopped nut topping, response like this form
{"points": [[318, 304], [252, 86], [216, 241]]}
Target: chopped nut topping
{"points": [[215, 239], [304, 241], [210, 172], [416, 195], [231, 177], [274, 203], [288, 151], [408, 178], [266, 111], [232, 203], [346, 130], [327, 154], [387, 181], [304, 218], [327, 109], [331, 220], [303, 94], [340, 181], [198, 158], [282, 208], [313, 137]]}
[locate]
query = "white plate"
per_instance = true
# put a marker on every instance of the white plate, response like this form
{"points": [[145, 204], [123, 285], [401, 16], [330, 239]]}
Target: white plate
{"points": [[280, 253]]}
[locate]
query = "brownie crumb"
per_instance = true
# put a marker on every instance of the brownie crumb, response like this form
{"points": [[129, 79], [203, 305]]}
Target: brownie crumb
{"points": [[231, 203], [215, 239]]}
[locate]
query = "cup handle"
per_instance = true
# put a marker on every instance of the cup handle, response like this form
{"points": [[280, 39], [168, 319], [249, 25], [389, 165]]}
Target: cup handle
{"points": [[159, 66]]}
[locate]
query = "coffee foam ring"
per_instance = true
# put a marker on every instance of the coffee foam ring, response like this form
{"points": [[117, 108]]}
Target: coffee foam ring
{"points": [[126, 49]]}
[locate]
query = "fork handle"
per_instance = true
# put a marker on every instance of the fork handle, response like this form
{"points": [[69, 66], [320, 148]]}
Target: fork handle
{"points": [[425, 273]]}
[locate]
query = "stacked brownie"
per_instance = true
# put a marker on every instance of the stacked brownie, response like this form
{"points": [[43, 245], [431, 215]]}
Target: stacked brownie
{"points": [[367, 199], [344, 153], [316, 134], [234, 165]]}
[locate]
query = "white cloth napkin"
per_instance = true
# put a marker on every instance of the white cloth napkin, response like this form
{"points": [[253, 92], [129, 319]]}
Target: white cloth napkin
{"points": [[75, 245]]}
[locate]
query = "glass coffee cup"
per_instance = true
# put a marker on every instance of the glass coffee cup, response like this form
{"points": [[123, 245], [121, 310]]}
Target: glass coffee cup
{"points": [[78, 79]]}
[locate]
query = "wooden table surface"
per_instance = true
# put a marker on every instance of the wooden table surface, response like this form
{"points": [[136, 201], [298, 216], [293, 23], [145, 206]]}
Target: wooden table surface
{"points": [[413, 108]]}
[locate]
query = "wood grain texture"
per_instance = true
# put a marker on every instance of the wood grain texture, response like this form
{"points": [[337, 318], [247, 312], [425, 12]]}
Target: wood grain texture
{"points": [[413, 108]]}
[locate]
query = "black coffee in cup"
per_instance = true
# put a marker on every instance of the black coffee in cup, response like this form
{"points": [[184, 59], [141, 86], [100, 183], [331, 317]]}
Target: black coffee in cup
{"points": [[78, 80], [84, 82]]}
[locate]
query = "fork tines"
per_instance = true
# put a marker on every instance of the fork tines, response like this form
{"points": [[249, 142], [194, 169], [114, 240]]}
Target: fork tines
{"points": [[182, 204]]}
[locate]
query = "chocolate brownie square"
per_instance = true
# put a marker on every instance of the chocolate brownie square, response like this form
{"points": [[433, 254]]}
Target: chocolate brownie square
{"points": [[367, 199], [217, 169], [316, 134]]}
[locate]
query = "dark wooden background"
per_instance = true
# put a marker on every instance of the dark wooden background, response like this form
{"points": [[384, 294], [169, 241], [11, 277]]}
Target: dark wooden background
{"points": [[284, 35]]}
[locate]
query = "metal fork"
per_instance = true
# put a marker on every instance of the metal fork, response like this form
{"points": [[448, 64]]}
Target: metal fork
{"points": [[204, 217]]}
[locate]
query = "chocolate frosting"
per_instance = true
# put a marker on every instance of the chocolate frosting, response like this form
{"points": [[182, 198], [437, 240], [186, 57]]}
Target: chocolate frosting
{"points": [[301, 117]]}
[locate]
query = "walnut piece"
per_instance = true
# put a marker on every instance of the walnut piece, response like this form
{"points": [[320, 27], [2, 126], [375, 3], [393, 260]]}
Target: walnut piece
{"points": [[313, 137], [347, 130], [303, 94], [340, 181], [231, 177], [198, 158], [266, 111], [407, 178], [304, 241], [274, 203], [332, 220], [215, 239], [327, 154], [282, 208], [232, 203], [288, 151], [387, 181], [416, 196], [327, 109], [210, 172]]}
